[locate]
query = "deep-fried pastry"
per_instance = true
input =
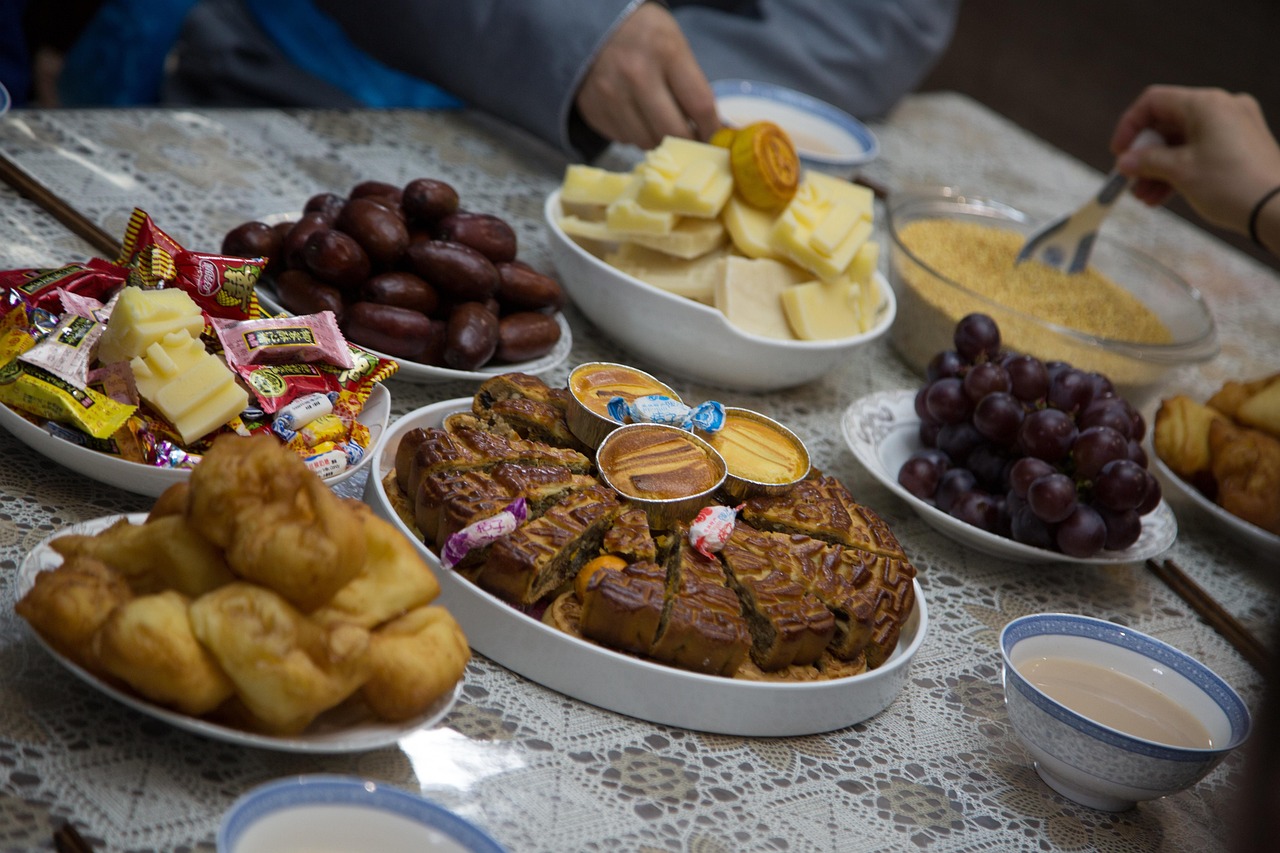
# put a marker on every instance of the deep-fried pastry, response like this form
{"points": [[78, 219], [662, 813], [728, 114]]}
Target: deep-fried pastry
{"points": [[395, 579], [172, 501], [1180, 436], [66, 605], [167, 553], [1246, 466], [413, 661], [287, 670], [1262, 410], [1233, 394], [278, 522], [148, 644]]}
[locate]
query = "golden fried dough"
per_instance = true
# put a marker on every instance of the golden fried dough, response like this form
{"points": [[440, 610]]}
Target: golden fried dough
{"points": [[394, 580], [1246, 466], [286, 669], [1232, 395], [167, 553], [414, 660], [279, 524], [148, 644], [172, 501], [66, 605], [1262, 410], [1180, 435]]}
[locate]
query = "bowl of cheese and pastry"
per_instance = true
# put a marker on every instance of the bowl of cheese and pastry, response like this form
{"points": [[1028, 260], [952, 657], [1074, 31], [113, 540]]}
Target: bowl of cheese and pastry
{"points": [[723, 262]]}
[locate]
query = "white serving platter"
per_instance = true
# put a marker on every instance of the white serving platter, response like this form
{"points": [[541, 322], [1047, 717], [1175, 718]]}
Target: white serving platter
{"points": [[350, 727], [150, 480], [882, 430], [631, 685], [1260, 540]]}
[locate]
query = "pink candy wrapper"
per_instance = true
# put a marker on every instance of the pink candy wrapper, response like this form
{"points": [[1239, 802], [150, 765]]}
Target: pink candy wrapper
{"points": [[483, 532]]}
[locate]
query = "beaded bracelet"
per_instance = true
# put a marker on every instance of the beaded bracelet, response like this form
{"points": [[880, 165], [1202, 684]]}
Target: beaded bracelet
{"points": [[1257, 211]]}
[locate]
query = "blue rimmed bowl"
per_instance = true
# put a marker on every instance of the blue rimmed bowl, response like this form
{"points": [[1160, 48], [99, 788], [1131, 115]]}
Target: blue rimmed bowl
{"points": [[341, 814], [1095, 764]]}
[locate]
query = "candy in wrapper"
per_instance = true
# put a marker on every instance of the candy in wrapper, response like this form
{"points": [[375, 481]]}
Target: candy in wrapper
{"points": [[324, 428], [661, 409], [327, 463], [711, 528], [35, 390], [304, 410], [483, 532], [174, 457], [116, 381], [284, 340], [67, 351], [43, 288]]}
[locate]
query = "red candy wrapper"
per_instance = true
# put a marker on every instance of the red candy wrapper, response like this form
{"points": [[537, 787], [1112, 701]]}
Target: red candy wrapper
{"points": [[711, 528], [42, 288]]}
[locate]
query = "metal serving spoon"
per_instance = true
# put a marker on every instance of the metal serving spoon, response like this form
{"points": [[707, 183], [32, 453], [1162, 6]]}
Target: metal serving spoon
{"points": [[1065, 243]]}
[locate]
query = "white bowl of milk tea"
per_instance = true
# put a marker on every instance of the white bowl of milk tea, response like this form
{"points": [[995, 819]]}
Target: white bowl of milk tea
{"points": [[1112, 716]]}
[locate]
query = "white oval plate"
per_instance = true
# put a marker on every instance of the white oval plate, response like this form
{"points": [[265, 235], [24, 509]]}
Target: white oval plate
{"points": [[633, 686], [1260, 540], [150, 480], [350, 727], [426, 374], [825, 136], [882, 430]]}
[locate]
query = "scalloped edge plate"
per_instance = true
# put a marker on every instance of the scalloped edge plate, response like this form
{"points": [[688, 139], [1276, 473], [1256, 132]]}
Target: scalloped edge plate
{"points": [[347, 728], [150, 480], [882, 431], [633, 686]]}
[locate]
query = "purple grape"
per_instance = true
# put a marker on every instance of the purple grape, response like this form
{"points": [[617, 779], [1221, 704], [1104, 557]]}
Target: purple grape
{"points": [[1123, 528], [1053, 368], [1028, 377], [958, 441], [976, 508], [1029, 530], [997, 417], [1120, 485], [919, 476], [1024, 471], [1111, 412], [1047, 434], [1137, 454], [1070, 391], [922, 411], [986, 378], [954, 482], [946, 402], [1139, 425], [944, 364], [1004, 520], [976, 337], [989, 465], [928, 433], [1101, 385], [1082, 533], [1052, 497], [1095, 447], [1150, 498]]}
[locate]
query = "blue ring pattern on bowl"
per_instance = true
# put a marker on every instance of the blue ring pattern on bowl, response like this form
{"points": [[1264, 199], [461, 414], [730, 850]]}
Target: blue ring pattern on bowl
{"points": [[329, 789], [1118, 635], [768, 91]]}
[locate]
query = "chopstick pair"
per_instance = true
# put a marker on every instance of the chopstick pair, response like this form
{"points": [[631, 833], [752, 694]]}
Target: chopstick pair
{"points": [[68, 839], [1214, 614], [51, 203]]}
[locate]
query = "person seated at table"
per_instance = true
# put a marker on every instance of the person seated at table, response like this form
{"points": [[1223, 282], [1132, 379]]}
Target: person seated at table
{"points": [[577, 73], [1218, 154]]}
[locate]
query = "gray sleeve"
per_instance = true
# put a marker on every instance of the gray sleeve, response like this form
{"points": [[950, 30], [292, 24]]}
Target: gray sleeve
{"points": [[519, 59], [861, 55]]}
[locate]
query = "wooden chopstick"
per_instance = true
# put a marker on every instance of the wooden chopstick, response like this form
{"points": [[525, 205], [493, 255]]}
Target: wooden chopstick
{"points": [[77, 222], [68, 840], [1213, 613]]}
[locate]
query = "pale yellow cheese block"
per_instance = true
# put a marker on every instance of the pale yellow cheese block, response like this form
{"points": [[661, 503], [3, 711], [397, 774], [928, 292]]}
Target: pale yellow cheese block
{"points": [[690, 238], [864, 263], [685, 177], [695, 279], [750, 295], [825, 225], [750, 228], [192, 388], [820, 310], [591, 185], [626, 214], [142, 317]]}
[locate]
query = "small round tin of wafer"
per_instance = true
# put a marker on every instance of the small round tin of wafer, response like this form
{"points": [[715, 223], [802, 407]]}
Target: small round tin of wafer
{"points": [[593, 384], [668, 471], [761, 455]]}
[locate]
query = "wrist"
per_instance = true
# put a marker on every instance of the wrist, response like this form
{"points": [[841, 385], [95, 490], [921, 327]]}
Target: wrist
{"points": [[1264, 221]]}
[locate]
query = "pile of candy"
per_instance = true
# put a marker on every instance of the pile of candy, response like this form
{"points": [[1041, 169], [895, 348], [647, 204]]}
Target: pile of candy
{"points": [[150, 356]]}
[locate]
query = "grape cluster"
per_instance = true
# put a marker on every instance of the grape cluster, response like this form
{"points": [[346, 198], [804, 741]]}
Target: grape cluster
{"points": [[1040, 452]]}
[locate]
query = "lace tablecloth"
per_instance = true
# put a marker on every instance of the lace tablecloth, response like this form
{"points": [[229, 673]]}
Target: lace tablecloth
{"points": [[939, 770]]}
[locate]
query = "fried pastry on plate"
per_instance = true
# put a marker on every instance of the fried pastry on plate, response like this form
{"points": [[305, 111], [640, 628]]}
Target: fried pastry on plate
{"points": [[167, 553], [148, 644], [1180, 436], [278, 523], [172, 501], [414, 661], [1262, 410], [1232, 395], [287, 670], [1246, 466], [66, 605], [394, 580]]}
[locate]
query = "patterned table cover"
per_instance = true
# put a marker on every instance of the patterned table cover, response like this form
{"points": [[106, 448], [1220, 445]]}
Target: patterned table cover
{"points": [[939, 770]]}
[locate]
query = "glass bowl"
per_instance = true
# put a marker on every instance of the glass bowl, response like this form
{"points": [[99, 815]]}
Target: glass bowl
{"points": [[930, 302]]}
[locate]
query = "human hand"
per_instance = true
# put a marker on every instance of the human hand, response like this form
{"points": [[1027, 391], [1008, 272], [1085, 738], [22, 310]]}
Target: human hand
{"points": [[646, 84], [1219, 153]]}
